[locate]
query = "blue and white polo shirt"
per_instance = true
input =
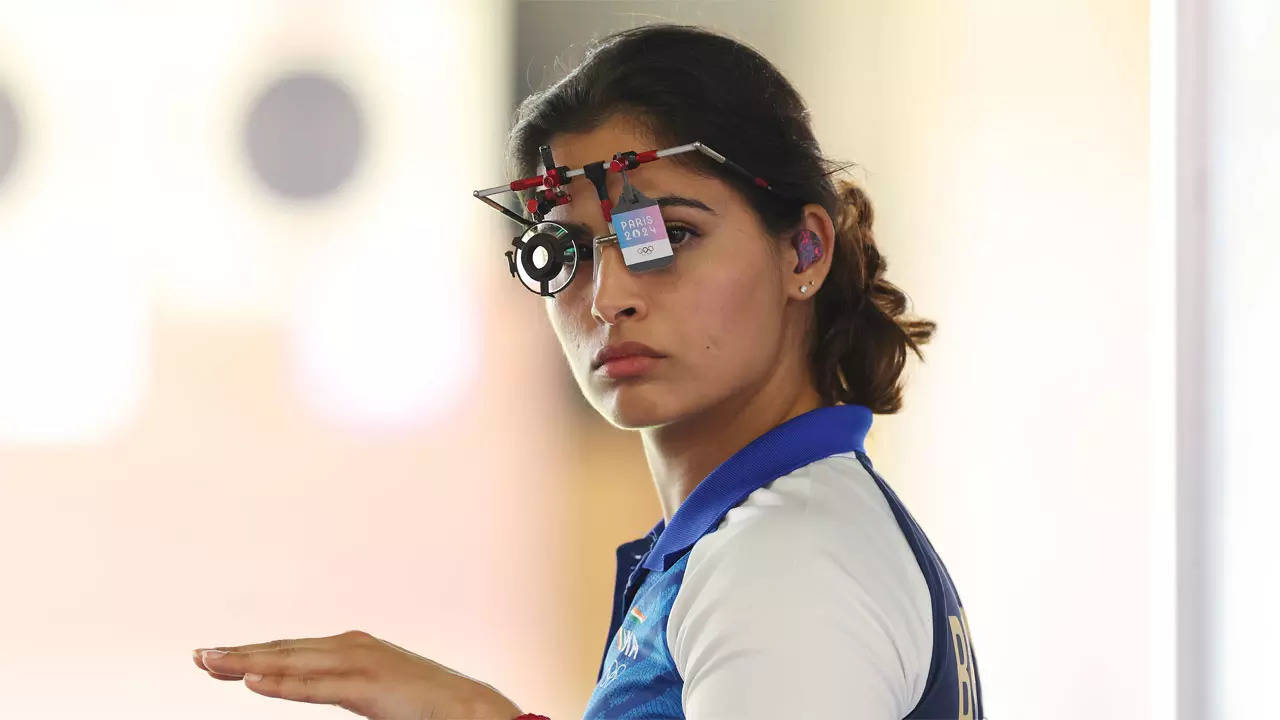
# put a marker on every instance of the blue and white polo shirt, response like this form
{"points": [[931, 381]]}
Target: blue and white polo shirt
{"points": [[791, 583]]}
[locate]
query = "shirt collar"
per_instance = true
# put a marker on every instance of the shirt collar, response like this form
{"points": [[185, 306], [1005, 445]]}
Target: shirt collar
{"points": [[795, 443]]}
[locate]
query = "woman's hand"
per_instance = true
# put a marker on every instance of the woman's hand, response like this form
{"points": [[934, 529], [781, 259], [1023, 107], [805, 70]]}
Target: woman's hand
{"points": [[357, 671]]}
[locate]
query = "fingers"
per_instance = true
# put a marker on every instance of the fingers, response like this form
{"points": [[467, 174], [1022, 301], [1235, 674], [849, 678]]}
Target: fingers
{"points": [[199, 657], [291, 660], [342, 690], [305, 642], [197, 654]]}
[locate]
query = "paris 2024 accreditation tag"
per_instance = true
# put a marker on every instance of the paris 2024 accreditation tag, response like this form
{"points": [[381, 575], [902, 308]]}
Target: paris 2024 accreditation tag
{"points": [[642, 235]]}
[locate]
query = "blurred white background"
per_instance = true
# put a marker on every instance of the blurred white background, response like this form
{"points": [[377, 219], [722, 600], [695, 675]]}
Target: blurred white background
{"points": [[263, 374]]}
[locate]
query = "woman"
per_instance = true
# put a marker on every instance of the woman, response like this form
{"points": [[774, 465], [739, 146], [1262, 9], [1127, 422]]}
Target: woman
{"points": [[785, 579]]}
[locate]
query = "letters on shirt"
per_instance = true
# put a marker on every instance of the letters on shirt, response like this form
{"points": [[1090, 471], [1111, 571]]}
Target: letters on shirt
{"points": [[964, 665]]}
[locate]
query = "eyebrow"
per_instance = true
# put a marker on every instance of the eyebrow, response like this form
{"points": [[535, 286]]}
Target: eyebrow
{"points": [[584, 233], [679, 201]]}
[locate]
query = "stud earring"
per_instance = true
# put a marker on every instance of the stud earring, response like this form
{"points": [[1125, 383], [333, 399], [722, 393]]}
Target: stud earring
{"points": [[804, 288]]}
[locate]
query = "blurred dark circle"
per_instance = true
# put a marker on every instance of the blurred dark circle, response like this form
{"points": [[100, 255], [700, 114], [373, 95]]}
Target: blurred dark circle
{"points": [[10, 135], [304, 135]]}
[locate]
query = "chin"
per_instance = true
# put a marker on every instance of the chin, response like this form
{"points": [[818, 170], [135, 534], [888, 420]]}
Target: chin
{"points": [[634, 406]]}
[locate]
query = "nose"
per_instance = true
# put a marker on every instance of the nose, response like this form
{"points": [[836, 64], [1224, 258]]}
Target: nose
{"points": [[616, 292]]}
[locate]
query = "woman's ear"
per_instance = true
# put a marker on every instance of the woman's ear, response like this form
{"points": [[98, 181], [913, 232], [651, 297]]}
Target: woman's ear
{"points": [[808, 259]]}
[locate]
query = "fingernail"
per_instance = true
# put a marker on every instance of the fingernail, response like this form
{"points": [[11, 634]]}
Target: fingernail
{"points": [[252, 677], [207, 655]]}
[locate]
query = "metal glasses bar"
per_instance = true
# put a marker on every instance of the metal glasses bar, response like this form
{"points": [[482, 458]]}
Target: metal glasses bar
{"points": [[665, 152]]}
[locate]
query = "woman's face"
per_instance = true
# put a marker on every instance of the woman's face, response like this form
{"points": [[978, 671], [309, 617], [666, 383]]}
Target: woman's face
{"points": [[715, 315]]}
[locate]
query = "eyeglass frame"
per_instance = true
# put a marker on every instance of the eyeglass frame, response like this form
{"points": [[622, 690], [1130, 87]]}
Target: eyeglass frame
{"points": [[550, 191]]}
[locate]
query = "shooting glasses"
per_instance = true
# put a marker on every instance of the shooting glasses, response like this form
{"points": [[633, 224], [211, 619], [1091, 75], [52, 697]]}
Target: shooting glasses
{"points": [[546, 254]]}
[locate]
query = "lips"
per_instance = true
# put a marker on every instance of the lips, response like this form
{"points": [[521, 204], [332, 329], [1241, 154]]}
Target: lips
{"points": [[621, 350]]}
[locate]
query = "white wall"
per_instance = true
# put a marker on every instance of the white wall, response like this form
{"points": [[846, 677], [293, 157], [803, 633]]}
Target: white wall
{"points": [[1005, 147], [1239, 142]]}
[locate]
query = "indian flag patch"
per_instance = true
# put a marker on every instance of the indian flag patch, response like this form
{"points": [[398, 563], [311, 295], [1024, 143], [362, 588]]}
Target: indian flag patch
{"points": [[635, 613]]}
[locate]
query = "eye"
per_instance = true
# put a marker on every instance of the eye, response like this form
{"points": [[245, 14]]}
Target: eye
{"points": [[679, 234]]}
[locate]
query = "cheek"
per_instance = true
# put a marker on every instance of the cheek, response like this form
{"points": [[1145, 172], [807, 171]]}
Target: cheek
{"points": [[735, 323], [570, 318]]}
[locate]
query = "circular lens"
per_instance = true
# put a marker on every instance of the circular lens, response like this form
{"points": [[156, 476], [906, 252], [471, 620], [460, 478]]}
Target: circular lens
{"points": [[540, 256], [545, 258]]}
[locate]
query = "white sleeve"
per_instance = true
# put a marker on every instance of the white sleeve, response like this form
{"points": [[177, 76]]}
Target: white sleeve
{"points": [[791, 610]]}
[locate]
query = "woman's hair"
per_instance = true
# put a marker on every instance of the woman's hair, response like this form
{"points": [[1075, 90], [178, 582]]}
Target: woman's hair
{"points": [[684, 83]]}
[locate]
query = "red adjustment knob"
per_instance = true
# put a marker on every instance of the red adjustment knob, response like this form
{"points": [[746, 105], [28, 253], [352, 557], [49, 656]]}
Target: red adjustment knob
{"points": [[627, 160], [556, 176], [542, 202], [525, 183]]}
